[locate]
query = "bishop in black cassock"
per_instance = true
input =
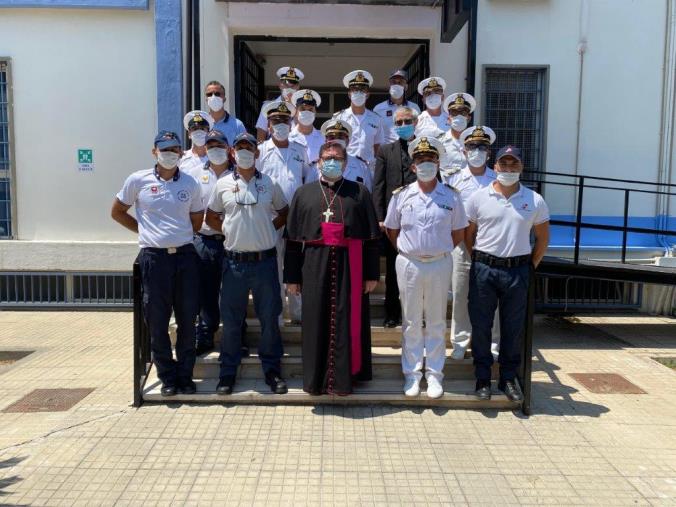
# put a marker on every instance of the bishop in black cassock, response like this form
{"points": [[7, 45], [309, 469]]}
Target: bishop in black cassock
{"points": [[333, 237]]}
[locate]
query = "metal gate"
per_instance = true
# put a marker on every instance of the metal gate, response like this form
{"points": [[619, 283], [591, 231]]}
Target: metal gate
{"points": [[418, 68], [249, 83]]}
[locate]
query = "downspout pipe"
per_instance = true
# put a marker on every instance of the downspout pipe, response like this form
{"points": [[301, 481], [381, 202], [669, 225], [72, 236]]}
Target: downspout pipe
{"points": [[197, 84], [581, 50], [665, 164]]}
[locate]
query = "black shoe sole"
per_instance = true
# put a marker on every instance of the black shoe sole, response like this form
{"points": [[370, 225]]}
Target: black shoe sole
{"points": [[168, 394]]}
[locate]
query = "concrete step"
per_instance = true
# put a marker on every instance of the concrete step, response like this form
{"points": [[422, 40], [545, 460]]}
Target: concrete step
{"points": [[380, 336], [457, 394], [386, 365]]}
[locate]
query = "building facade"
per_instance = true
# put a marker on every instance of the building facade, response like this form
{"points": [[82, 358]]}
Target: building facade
{"points": [[585, 86]]}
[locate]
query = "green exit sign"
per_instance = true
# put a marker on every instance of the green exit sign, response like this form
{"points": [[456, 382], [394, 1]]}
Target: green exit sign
{"points": [[85, 156], [85, 160]]}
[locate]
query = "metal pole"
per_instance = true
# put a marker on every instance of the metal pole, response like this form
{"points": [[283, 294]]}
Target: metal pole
{"points": [[625, 224], [139, 366], [578, 218], [197, 85], [527, 354]]}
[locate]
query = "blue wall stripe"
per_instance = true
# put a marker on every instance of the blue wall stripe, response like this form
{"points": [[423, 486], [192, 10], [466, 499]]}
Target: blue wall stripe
{"points": [[565, 236], [78, 4], [169, 51]]}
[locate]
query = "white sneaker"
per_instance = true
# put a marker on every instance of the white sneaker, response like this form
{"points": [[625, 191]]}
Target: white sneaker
{"points": [[412, 387], [458, 353], [434, 387]]}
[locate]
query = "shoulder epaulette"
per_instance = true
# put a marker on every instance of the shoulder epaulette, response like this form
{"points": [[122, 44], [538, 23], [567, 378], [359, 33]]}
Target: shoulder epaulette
{"points": [[397, 190], [361, 159], [451, 187], [451, 170]]}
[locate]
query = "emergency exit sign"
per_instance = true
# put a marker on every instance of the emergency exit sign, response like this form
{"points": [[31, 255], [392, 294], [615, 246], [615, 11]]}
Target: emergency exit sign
{"points": [[85, 160]]}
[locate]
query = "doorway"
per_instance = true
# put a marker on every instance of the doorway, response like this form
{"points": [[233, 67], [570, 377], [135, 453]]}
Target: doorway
{"points": [[324, 61]]}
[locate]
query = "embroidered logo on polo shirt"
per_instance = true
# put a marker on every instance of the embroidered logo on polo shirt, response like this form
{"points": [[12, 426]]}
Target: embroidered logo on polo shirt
{"points": [[260, 188], [154, 190], [183, 195]]}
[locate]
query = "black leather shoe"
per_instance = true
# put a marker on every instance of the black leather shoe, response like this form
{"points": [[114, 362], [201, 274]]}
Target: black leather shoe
{"points": [[168, 390], [511, 391], [203, 348], [187, 387], [225, 385], [483, 390], [276, 382], [390, 323]]}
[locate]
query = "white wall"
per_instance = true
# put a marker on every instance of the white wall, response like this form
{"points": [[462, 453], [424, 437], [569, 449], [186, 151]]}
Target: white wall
{"points": [[622, 76], [221, 21], [81, 79]]}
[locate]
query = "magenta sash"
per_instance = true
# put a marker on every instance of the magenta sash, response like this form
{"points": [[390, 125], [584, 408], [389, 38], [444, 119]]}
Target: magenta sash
{"points": [[333, 234]]}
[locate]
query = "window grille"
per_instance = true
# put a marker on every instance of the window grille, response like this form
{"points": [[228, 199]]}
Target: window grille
{"points": [[515, 108], [5, 155]]}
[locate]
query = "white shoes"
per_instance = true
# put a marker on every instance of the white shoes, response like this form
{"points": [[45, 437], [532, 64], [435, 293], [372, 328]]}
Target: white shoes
{"points": [[412, 386], [434, 387]]}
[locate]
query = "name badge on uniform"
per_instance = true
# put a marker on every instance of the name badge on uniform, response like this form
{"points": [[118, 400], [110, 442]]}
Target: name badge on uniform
{"points": [[445, 207]]}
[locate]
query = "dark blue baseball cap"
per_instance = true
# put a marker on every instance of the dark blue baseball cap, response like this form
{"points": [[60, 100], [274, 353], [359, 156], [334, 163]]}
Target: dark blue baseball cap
{"points": [[509, 151], [166, 139], [217, 135], [246, 137]]}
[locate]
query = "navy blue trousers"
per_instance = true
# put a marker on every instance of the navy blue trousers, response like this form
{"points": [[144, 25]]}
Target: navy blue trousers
{"points": [[490, 287], [171, 282], [210, 252], [262, 280]]}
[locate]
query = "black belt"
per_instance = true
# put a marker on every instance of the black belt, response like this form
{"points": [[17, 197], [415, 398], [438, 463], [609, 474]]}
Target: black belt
{"points": [[503, 262], [215, 237], [172, 249], [250, 256]]}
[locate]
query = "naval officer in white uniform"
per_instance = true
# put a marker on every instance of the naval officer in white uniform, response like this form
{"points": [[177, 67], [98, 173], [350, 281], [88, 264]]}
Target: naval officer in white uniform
{"points": [[425, 220]]}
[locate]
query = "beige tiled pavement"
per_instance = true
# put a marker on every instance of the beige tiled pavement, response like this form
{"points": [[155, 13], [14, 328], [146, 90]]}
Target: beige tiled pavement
{"points": [[578, 448]]}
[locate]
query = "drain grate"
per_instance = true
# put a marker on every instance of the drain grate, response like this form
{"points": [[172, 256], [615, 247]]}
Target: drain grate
{"points": [[12, 356], [607, 383], [49, 400]]}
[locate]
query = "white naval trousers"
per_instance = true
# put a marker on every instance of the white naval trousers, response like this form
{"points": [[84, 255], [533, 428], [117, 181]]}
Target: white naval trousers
{"points": [[461, 328], [290, 302], [423, 289]]}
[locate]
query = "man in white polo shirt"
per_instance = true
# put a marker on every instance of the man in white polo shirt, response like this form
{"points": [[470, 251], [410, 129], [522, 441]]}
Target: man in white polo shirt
{"points": [[425, 221], [249, 207], [501, 217], [168, 212]]}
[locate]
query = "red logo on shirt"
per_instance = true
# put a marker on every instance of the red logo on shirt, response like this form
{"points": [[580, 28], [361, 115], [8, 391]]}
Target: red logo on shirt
{"points": [[153, 189]]}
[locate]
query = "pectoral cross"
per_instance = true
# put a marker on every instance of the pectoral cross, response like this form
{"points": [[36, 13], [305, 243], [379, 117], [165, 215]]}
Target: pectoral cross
{"points": [[327, 214]]}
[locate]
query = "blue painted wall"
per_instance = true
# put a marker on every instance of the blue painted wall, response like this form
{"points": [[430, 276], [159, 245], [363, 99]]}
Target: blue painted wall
{"points": [[78, 4], [169, 50], [565, 236]]}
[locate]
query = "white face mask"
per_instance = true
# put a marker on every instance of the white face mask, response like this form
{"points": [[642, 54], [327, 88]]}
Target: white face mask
{"points": [[217, 156], [168, 159], [306, 117], [342, 142], [508, 179], [426, 171], [244, 159], [477, 158], [281, 131], [287, 92], [433, 101], [396, 91], [358, 98], [215, 103], [198, 137], [458, 123]]}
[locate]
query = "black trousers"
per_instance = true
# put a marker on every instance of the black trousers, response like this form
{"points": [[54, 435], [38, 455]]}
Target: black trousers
{"points": [[392, 303]]}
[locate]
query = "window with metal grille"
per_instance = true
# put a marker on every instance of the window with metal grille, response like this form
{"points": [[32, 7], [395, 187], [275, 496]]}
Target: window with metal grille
{"points": [[5, 151], [514, 106]]}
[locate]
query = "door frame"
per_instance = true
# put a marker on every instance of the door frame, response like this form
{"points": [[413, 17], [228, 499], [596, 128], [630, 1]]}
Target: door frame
{"points": [[238, 39]]}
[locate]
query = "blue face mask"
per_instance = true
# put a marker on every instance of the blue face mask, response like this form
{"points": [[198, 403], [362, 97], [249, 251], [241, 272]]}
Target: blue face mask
{"points": [[405, 132], [332, 169]]}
